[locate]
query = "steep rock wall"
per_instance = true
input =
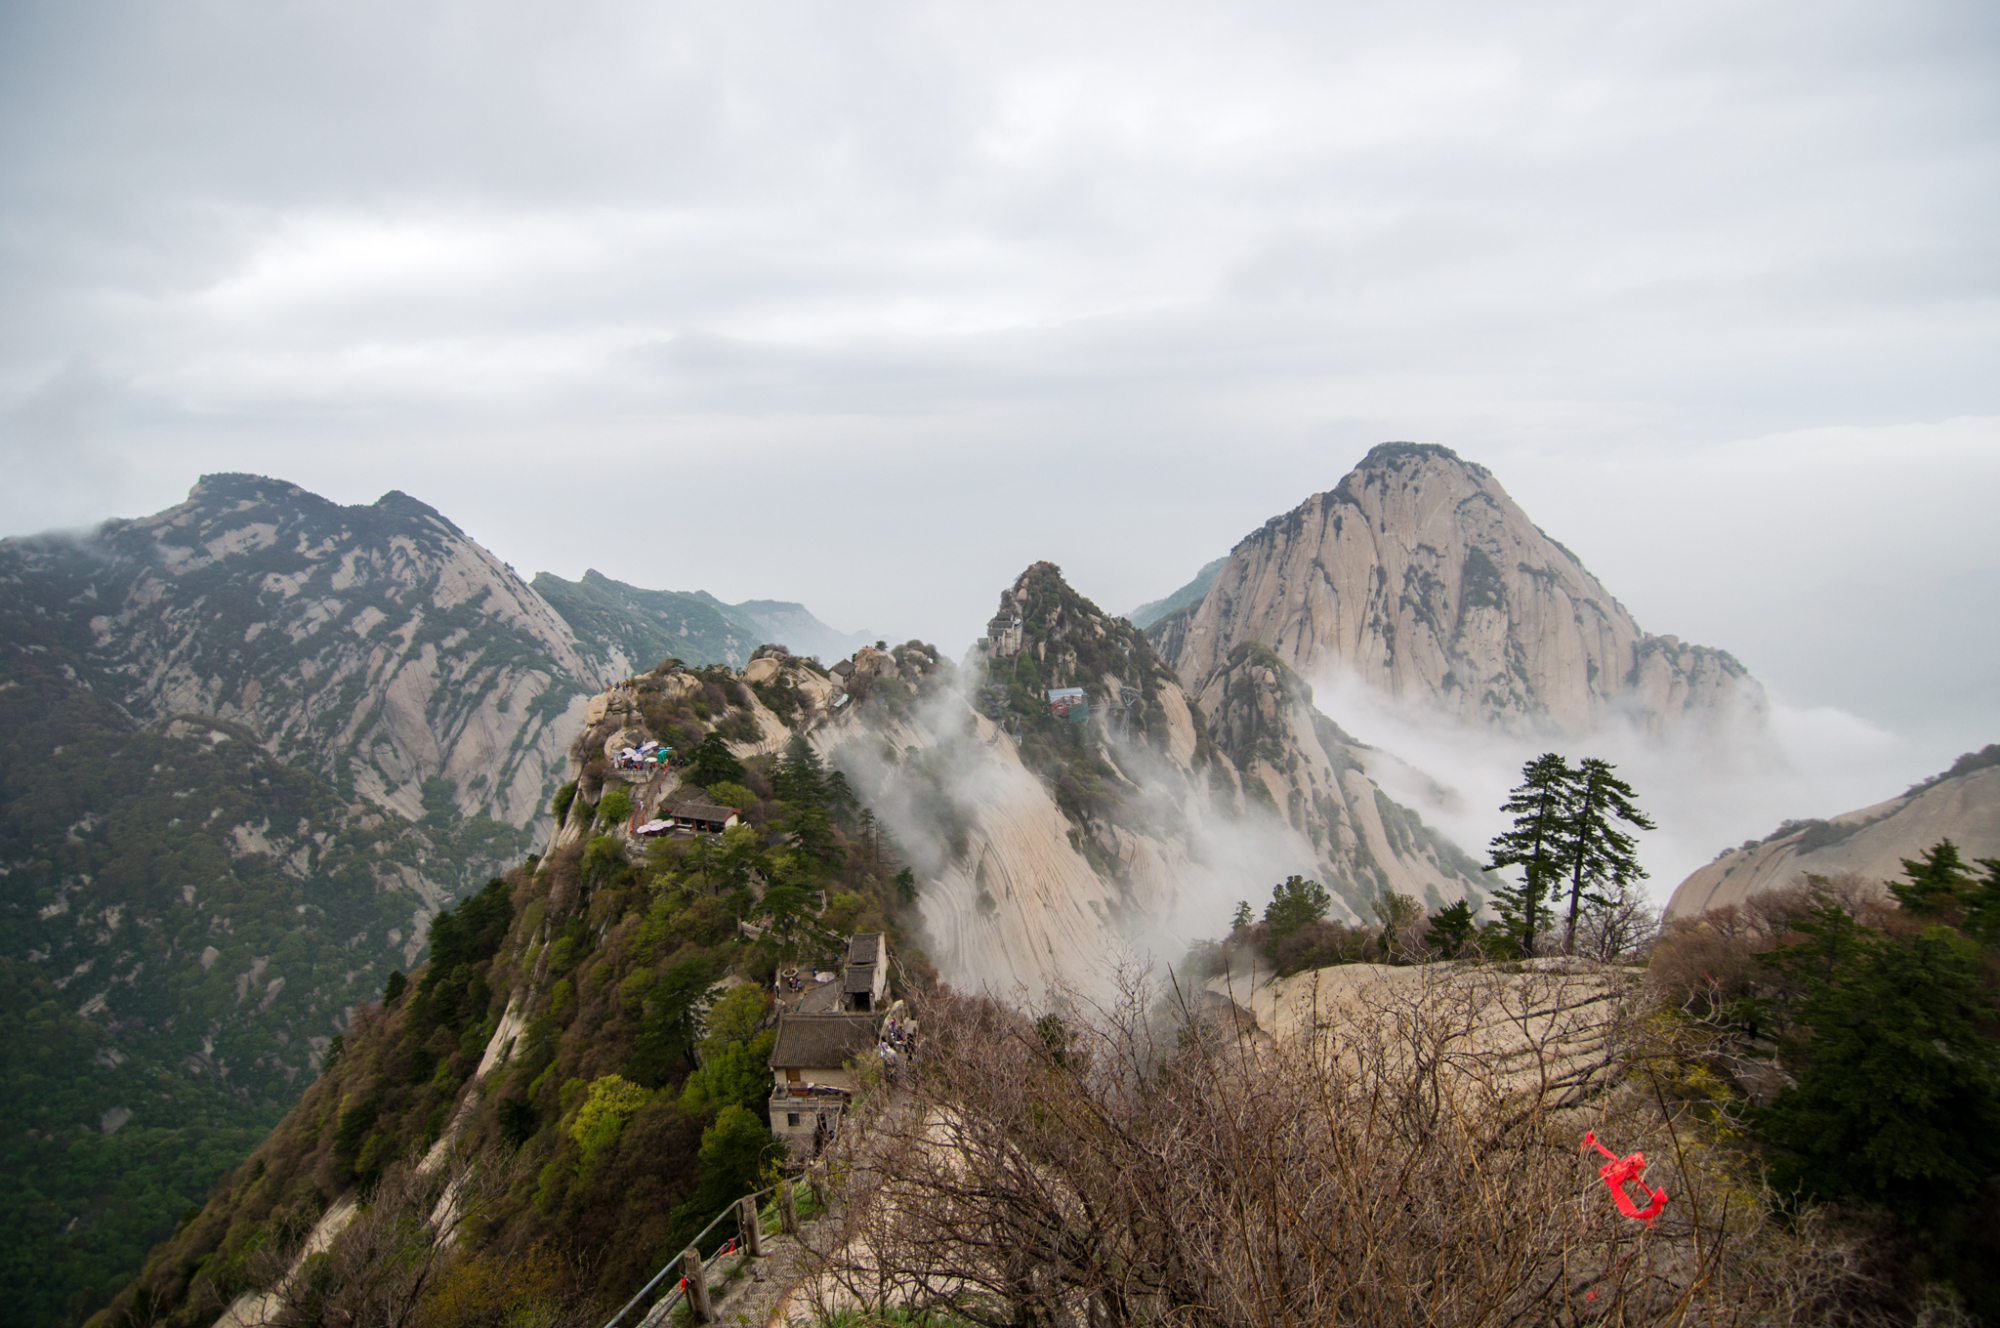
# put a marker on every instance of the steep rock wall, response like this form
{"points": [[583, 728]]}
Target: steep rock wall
{"points": [[1420, 575], [376, 644]]}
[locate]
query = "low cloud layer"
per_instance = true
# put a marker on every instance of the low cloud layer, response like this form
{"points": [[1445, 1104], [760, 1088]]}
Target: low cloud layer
{"points": [[871, 307], [1707, 792]]}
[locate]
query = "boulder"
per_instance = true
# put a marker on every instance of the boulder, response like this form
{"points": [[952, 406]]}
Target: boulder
{"points": [[872, 663], [609, 705], [762, 669]]}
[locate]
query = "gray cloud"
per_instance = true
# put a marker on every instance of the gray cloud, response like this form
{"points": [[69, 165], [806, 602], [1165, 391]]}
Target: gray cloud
{"points": [[937, 291]]}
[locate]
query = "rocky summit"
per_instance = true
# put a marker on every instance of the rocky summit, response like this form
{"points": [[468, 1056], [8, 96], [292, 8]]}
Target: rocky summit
{"points": [[1420, 576], [1147, 802]]}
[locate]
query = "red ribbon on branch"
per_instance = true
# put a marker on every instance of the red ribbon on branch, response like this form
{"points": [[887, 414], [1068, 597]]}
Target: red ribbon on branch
{"points": [[1620, 1171]]}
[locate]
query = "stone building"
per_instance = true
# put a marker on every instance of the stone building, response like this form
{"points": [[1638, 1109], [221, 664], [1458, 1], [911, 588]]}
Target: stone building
{"points": [[820, 1035]]}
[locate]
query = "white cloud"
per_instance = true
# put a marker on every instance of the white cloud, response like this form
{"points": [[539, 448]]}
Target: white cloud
{"points": [[1705, 793], [948, 289]]}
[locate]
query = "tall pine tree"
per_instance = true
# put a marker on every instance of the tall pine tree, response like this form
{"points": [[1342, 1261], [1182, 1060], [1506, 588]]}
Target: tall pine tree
{"points": [[1596, 853], [800, 779], [1540, 807]]}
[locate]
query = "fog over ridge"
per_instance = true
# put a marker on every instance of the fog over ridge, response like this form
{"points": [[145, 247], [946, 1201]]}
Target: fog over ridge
{"points": [[1707, 790], [924, 293]]}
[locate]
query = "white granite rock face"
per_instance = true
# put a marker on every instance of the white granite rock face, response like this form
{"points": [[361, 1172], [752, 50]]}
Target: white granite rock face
{"points": [[1870, 843], [379, 642], [1241, 789], [1418, 574]]}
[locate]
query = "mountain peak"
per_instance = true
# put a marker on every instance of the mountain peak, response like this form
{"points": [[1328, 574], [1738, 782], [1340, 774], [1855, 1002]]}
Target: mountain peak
{"points": [[1398, 455], [396, 503], [241, 486], [1419, 574]]}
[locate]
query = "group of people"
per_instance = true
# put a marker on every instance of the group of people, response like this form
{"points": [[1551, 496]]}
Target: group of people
{"points": [[649, 756], [894, 1045]]}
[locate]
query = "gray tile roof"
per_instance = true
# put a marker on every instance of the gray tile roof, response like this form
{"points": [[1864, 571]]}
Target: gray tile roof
{"points": [[701, 809], [822, 1041]]}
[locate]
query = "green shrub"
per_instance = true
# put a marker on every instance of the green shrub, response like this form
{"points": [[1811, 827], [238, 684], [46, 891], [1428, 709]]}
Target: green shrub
{"points": [[564, 797], [610, 1103], [615, 807]]}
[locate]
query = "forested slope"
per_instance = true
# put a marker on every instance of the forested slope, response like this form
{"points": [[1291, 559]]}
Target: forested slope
{"points": [[184, 919], [617, 1008]]}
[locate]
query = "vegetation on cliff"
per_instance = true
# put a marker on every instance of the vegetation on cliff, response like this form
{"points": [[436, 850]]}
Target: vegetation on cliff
{"points": [[625, 1105], [184, 920], [1067, 641]]}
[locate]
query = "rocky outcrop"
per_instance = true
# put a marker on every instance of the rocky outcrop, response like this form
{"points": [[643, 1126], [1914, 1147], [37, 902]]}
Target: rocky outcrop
{"points": [[1300, 764], [1044, 847], [1418, 574], [1962, 805], [1056, 848], [377, 644]]}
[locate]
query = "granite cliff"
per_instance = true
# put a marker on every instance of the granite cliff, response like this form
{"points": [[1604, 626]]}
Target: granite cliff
{"points": [[1058, 844], [1047, 844], [1419, 575], [377, 644], [1962, 805]]}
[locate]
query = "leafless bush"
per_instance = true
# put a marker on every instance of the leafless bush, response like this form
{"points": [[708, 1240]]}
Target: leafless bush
{"points": [[1623, 929], [1407, 1154]]}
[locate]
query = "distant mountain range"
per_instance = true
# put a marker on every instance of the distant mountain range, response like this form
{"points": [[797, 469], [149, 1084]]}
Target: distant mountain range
{"points": [[625, 629], [1190, 594]]}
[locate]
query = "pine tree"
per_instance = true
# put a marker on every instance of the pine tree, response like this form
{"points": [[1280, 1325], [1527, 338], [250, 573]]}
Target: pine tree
{"points": [[1941, 887], [1596, 853], [1897, 1099], [713, 763], [1296, 903], [800, 779], [1939, 883], [1540, 806], [1450, 929]]}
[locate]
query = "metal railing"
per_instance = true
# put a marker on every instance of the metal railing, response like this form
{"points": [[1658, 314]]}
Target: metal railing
{"points": [[666, 1305]]}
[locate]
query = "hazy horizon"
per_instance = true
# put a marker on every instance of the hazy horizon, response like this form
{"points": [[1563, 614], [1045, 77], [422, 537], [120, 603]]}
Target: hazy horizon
{"points": [[870, 309]]}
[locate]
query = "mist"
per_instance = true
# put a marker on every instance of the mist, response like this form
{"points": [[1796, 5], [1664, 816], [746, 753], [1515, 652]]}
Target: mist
{"points": [[1708, 789], [1011, 896]]}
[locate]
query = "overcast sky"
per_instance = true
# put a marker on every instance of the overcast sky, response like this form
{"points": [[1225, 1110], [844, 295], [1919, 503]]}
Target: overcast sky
{"points": [[869, 305]]}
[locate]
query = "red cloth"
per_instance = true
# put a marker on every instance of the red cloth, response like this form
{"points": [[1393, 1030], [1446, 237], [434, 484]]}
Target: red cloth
{"points": [[1620, 1170]]}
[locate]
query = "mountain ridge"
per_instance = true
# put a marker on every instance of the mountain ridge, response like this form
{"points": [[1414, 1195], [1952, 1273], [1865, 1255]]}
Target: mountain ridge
{"points": [[1961, 803], [1421, 576]]}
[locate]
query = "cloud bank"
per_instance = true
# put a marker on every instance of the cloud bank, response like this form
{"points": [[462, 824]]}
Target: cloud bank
{"points": [[875, 306]]}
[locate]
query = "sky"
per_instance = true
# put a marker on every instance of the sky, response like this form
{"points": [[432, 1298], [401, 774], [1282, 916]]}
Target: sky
{"points": [[870, 306]]}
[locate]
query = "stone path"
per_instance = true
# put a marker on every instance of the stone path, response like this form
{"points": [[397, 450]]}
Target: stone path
{"points": [[756, 1293]]}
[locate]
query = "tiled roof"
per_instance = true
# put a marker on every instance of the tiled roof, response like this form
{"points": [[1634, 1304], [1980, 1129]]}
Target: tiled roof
{"points": [[821, 1041], [700, 809]]}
